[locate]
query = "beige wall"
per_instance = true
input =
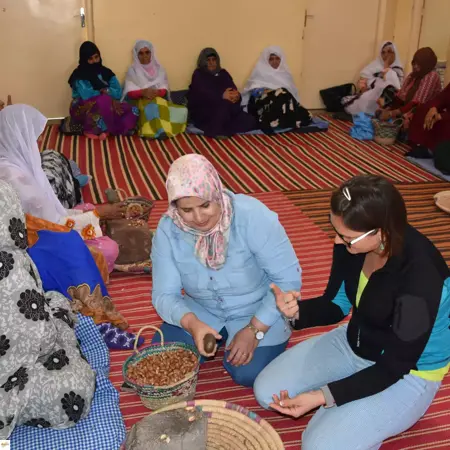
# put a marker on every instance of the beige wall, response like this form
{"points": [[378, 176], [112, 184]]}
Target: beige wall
{"points": [[402, 28], [389, 21], [435, 31], [179, 29]]}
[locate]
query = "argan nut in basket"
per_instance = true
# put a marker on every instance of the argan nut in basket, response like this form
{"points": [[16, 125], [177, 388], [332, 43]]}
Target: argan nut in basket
{"points": [[163, 369]]}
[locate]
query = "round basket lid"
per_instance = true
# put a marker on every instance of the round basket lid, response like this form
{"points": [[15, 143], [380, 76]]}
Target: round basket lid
{"points": [[442, 200]]}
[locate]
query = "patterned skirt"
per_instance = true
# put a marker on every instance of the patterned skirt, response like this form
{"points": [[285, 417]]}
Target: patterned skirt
{"points": [[103, 114], [278, 110]]}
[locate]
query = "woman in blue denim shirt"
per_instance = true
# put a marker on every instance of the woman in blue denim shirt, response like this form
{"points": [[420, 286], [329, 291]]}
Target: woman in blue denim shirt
{"points": [[225, 251]]}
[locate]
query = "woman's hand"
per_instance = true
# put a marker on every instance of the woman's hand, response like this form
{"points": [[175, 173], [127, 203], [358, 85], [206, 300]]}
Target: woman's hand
{"points": [[150, 93], [385, 114], [299, 405], [287, 302], [229, 95], [235, 96], [362, 84], [431, 118], [111, 211], [241, 348], [198, 330]]}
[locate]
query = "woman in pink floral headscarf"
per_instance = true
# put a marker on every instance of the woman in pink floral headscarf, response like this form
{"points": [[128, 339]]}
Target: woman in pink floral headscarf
{"points": [[215, 257]]}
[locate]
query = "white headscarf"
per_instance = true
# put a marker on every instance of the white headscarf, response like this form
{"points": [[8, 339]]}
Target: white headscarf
{"points": [[140, 76], [20, 162], [265, 76], [377, 65]]}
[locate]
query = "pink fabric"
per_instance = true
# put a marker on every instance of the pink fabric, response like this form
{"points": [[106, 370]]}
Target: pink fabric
{"points": [[194, 176], [85, 207], [108, 247]]}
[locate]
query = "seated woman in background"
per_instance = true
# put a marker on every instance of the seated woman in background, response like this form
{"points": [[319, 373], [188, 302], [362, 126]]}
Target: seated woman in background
{"points": [[375, 377], [384, 72], [430, 125], [44, 380], [213, 100], [223, 251], [21, 166], [420, 86], [271, 95], [146, 83], [96, 96]]}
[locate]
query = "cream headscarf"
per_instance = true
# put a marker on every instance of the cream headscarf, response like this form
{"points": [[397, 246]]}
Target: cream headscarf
{"points": [[194, 176], [20, 162], [140, 76], [265, 76]]}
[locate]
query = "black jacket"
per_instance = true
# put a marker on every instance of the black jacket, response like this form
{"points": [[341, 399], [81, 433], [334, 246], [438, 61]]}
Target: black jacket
{"points": [[402, 321]]}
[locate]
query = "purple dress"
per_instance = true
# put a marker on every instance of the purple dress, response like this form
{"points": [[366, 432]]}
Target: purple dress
{"points": [[210, 112]]}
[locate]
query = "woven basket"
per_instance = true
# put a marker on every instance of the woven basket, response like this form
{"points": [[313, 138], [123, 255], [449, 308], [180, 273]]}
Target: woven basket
{"points": [[385, 133], [232, 427], [155, 397], [442, 200]]}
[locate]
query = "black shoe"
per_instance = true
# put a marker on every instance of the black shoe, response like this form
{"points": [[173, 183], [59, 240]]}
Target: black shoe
{"points": [[419, 152]]}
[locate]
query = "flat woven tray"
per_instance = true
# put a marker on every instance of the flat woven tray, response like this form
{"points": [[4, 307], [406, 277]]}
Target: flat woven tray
{"points": [[232, 427]]}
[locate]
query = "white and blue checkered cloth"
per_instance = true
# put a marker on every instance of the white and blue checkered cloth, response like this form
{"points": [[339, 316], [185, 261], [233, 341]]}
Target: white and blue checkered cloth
{"points": [[104, 428]]}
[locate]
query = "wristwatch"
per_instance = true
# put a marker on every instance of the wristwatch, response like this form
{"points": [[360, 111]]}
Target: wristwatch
{"points": [[259, 335]]}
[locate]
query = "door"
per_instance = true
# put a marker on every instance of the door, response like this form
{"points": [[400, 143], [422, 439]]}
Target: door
{"points": [[339, 40], [39, 42]]}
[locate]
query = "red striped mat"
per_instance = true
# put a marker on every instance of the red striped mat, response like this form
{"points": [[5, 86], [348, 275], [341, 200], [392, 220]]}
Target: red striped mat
{"points": [[246, 164], [131, 294]]}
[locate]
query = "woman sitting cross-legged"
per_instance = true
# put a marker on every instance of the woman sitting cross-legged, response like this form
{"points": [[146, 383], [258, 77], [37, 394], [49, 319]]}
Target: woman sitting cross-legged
{"points": [[420, 86], [96, 96], [271, 94], [21, 166], [146, 83], [44, 380], [377, 376], [214, 102], [383, 77], [430, 125], [223, 251]]}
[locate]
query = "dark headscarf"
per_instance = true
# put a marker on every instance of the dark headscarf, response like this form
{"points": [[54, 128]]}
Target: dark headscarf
{"points": [[202, 62], [426, 59], [90, 72]]}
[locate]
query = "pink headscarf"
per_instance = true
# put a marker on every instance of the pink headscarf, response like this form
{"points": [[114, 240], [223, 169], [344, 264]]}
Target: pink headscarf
{"points": [[194, 176]]}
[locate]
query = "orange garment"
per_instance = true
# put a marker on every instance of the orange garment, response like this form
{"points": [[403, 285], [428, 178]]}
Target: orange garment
{"points": [[34, 224]]}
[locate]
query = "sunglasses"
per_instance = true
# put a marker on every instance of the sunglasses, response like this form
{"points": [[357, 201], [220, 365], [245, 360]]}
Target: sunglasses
{"points": [[353, 241]]}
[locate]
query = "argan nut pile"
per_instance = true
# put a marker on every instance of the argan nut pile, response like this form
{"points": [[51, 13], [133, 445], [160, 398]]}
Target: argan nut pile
{"points": [[163, 369]]}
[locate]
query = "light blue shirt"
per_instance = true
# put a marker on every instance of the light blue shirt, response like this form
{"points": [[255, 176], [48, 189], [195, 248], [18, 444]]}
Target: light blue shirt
{"points": [[83, 89], [259, 253]]}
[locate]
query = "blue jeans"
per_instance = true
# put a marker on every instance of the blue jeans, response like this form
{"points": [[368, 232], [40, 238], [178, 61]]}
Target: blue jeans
{"points": [[243, 375], [359, 425]]}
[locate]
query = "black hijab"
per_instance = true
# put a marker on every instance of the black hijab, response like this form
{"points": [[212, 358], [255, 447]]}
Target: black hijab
{"points": [[90, 72], [202, 62]]}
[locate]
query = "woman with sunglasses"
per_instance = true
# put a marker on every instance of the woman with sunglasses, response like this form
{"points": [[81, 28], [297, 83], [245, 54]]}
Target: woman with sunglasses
{"points": [[377, 375]]}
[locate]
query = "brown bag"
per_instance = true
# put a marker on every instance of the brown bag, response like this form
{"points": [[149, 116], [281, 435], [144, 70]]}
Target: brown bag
{"points": [[133, 237], [132, 233]]}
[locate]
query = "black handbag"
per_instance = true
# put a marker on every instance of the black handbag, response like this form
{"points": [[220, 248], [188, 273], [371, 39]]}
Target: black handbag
{"points": [[332, 97]]}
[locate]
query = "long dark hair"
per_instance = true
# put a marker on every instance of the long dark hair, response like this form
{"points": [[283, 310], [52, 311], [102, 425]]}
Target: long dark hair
{"points": [[368, 202]]}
